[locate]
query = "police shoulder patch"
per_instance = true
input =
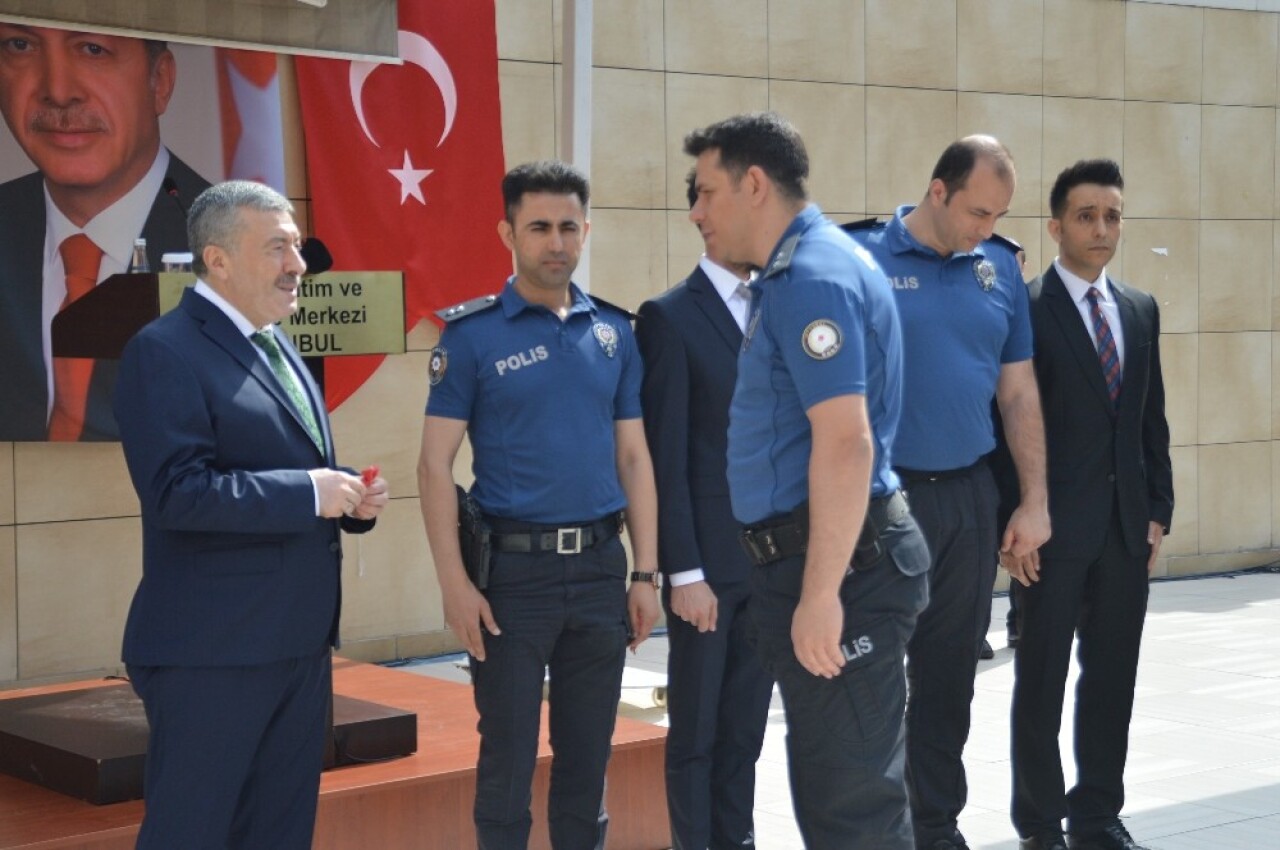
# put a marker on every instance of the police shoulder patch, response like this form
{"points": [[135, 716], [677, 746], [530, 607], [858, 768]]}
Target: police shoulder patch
{"points": [[821, 339], [467, 308], [437, 365]]}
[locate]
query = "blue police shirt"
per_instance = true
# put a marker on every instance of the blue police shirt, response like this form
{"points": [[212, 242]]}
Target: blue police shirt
{"points": [[823, 324], [963, 317], [540, 398]]}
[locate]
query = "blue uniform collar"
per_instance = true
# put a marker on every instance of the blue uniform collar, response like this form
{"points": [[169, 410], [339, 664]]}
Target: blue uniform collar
{"points": [[513, 303], [780, 259], [901, 241]]}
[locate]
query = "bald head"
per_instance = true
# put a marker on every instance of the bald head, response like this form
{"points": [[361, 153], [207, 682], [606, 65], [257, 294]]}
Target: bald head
{"points": [[963, 155]]}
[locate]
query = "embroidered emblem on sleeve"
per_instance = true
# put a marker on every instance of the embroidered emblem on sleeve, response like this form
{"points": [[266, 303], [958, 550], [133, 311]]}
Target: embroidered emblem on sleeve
{"points": [[437, 365], [821, 339]]}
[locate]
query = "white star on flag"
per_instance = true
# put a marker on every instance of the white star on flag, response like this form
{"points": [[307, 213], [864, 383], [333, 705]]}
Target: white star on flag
{"points": [[410, 180], [259, 154]]}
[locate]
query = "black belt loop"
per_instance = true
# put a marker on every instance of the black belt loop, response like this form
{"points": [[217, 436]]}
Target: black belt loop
{"points": [[786, 536], [917, 476], [565, 540]]}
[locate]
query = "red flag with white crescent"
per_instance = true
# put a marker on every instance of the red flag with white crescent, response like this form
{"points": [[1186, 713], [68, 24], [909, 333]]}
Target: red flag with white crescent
{"points": [[405, 164]]}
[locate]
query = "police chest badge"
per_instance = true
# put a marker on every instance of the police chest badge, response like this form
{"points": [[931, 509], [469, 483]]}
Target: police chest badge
{"points": [[985, 272], [437, 365], [607, 336], [821, 339]]}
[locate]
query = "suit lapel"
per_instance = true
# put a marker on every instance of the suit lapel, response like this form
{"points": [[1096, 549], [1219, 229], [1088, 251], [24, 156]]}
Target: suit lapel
{"points": [[713, 307], [1129, 325], [223, 331], [1074, 332]]}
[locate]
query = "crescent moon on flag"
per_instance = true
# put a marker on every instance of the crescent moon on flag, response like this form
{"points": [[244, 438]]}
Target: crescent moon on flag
{"points": [[415, 50]]}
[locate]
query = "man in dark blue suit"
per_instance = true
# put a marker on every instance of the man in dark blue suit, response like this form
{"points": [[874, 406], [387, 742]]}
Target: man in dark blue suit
{"points": [[229, 448], [718, 692]]}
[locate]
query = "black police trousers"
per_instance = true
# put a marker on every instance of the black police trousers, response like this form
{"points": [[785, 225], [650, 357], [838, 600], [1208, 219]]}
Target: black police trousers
{"points": [[845, 736], [566, 614]]}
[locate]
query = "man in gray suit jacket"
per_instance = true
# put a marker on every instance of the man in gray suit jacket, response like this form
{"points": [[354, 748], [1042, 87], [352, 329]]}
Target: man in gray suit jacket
{"points": [[718, 693], [1097, 361]]}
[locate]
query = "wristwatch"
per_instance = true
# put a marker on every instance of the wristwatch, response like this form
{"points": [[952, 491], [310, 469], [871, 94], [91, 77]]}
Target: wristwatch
{"points": [[653, 578]]}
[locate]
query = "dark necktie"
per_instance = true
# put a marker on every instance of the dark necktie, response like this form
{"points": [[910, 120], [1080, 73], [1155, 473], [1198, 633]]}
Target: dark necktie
{"points": [[1107, 354], [266, 340], [81, 259]]}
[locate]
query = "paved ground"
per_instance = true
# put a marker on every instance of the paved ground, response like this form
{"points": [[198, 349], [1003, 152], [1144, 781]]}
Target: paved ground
{"points": [[1204, 758]]}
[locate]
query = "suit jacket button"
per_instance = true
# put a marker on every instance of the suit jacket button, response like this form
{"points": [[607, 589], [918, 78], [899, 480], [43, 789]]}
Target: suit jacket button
{"points": [[1111, 477]]}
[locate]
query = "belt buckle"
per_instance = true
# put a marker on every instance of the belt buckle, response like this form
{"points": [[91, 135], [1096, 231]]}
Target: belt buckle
{"points": [[568, 541]]}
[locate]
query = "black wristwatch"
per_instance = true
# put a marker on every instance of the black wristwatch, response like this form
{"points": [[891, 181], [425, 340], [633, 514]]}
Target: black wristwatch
{"points": [[653, 578]]}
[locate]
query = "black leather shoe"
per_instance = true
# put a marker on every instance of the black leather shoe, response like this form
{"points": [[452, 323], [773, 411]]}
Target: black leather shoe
{"points": [[1112, 837], [986, 653], [1044, 841]]}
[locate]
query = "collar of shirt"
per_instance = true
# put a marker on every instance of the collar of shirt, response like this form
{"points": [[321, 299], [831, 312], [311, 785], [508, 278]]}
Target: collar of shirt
{"points": [[114, 229], [1078, 287], [725, 281], [514, 303], [901, 240], [237, 318]]}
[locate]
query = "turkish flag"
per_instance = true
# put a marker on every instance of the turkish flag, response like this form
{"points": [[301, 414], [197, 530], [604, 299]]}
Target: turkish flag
{"points": [[405, 164]]}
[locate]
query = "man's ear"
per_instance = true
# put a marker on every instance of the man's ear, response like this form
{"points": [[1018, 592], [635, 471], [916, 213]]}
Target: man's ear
{"points": [[507, 234], [1055, 230], [164, 75], [217, 261]]}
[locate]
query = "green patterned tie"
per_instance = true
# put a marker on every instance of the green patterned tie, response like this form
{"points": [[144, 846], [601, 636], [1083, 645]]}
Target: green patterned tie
{"points": [[266, 340]]}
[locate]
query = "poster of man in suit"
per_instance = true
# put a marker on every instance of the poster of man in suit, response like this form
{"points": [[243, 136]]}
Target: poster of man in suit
{"points": [[99, 143]]}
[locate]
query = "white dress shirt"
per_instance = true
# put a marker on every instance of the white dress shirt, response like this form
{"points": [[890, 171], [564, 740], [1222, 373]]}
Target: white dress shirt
{"points": [[1078, 288]]}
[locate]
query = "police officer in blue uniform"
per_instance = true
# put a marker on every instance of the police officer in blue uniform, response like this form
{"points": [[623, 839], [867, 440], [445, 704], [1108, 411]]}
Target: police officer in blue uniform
{"points": [[546, 380], [966, 339], [839, 573]]}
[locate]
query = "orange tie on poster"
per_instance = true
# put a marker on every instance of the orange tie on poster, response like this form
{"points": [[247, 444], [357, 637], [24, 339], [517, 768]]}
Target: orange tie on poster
{"points": [[71, 375]]}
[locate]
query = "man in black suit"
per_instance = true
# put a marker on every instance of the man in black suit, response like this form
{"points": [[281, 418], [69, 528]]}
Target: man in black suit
{"points": [[86, 109], [229, 448], [1097, 361], [717, 692]]}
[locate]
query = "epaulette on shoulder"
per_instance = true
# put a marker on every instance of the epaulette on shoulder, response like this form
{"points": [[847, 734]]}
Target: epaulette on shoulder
{"points": [[598, 301], [467, 308], [864, 224], [1011, 244]]}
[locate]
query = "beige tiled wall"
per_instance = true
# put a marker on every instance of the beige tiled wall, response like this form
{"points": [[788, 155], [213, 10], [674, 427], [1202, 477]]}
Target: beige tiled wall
{"points": [[1184, 97]]}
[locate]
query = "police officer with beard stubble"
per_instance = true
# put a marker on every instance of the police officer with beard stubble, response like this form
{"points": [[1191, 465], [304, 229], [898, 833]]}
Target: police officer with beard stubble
{"points": [[546, 380]]}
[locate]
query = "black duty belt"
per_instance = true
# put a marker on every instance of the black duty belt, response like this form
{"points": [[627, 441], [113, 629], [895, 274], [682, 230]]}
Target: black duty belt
{"points": [[511, 536], [788, 535], [917, 476]]}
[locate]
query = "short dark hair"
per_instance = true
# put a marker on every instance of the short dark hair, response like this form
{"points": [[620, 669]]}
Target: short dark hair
{"points": [[547, 175], [1104, 172], [214, 217], [155, 49], [691, 187], [763, 139], [961, 156]]}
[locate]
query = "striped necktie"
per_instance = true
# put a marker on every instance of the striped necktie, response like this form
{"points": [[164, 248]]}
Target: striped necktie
{"points": [[1106, 343], [266, 340]]}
